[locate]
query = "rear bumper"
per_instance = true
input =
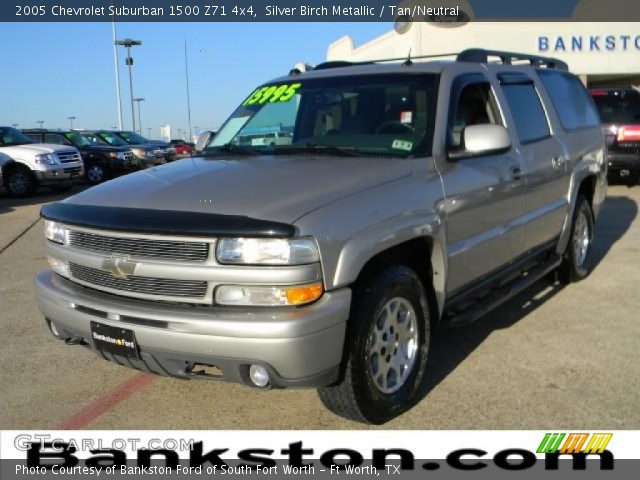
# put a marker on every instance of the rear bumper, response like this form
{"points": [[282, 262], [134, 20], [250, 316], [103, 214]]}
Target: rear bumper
{"points": [[299, 347]]}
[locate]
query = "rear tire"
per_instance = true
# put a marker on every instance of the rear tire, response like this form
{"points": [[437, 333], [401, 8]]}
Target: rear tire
{"points": [[19, 182], [386, 348], [577, 261]]}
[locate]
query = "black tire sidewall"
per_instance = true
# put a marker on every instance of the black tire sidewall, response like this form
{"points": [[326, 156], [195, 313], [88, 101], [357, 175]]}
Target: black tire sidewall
{"points": [[376, 406], [28, 174], [578, 272], [105, 174]]}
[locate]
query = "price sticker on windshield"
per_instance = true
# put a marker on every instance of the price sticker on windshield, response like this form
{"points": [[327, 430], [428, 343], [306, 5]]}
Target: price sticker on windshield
{"points": [[272, 94]]}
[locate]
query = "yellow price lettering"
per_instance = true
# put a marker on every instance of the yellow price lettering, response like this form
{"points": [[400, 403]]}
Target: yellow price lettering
{"points": [[272, 94]]}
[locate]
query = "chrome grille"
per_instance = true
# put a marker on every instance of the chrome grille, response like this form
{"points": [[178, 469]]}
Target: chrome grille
{"points": [[68, 156], [194, 289], [128, 155], [140, 247]]}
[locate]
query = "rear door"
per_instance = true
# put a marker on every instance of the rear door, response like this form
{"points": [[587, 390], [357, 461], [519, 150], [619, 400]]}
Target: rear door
{"points": [[545, 159], [483, 194]]}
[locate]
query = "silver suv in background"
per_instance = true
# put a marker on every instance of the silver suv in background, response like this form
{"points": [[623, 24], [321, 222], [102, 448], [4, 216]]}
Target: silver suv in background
{"points": [[28, 165], [411, 196]]}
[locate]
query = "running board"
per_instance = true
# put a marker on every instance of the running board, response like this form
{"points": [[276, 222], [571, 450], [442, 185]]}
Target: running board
{"points": [[498, 296]]}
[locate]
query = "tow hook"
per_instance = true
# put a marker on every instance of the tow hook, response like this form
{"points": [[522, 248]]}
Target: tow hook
{"points": [[74, 341]]}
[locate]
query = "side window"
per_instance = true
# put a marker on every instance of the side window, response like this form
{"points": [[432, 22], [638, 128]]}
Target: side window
{"points": [[570, 100], [475, 106], [527, 112], [55, 139], [34, 136]]}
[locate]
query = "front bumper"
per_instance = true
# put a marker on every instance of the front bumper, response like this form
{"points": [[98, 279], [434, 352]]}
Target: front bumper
{"points": [[623, 161], [299, 347], [59, 174]]}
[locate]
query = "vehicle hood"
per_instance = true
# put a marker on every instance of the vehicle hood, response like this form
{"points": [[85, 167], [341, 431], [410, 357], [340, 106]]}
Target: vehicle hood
{"points": [[104, 148], [34, 149], [277, 188]]}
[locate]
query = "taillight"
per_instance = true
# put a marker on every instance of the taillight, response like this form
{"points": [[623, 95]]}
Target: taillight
{"points": [[629, 133]]}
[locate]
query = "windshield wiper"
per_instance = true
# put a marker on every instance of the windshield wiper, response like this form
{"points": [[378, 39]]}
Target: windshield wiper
{"points": [[346, 151], [231, 148]]}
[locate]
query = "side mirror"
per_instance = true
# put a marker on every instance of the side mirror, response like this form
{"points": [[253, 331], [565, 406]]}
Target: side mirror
{"points": [[486, 139]]}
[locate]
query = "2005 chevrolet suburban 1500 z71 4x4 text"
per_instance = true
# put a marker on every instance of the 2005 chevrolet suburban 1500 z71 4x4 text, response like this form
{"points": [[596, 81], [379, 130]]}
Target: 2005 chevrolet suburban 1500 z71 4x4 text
{"points": [[412, 195]]}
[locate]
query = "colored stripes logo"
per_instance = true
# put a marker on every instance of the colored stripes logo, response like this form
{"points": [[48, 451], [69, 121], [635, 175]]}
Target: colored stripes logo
{"points": [[597, 442]]}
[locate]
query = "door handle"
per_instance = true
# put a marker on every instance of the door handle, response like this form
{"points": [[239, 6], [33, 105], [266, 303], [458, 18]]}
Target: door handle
{"points": [[557, 162], [516, 173]]}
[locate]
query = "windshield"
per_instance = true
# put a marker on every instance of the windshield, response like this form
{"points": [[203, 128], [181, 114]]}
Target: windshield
{"points": [[92, 139], [11, 136], [618, 107], [133, 138], [78, 139], [374, 114], [112, 139]]}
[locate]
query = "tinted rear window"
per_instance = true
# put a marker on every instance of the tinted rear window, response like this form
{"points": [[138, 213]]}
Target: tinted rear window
{"points": [[570, 100], [619, 107]]}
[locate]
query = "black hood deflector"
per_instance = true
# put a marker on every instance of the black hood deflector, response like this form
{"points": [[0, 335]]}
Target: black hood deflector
{"points": [[168, 222]]}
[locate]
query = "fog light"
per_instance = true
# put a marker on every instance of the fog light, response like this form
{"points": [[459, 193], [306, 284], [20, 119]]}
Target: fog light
{"points": [[58, 266], [259, 376]]}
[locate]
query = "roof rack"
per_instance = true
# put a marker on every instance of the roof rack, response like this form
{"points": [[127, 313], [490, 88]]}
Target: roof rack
{"points": [[407, 61], [477, 55], [480, 55]]}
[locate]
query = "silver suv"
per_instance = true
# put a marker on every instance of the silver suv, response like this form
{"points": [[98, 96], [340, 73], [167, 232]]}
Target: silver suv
{"points": [[26, 165], [412, 195]]}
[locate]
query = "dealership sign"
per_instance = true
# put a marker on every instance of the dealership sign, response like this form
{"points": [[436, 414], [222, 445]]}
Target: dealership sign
{"points": [[588, 43]]}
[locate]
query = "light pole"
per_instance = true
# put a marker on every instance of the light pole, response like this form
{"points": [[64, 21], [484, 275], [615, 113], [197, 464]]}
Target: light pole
{"points": [[14, 125], [179, 133], [186, 71], [40, 122], [71, 119], [149, 132], [138, 100], [117, 68], [128, 43]]}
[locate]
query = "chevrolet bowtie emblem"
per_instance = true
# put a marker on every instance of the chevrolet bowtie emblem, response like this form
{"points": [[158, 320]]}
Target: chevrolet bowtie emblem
{"points": [[119, 266]]}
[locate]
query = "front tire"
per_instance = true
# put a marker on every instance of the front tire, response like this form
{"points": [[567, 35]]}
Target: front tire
{"points": [[386, 348], [19, 182], [96, 173], [577, 261]]}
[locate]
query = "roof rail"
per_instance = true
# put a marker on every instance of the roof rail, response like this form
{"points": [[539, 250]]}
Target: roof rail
{"points": [[407, 61], [480, 55]]}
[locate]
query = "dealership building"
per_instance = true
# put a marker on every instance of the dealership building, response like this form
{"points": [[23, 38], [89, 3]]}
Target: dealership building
{"points": [[605, 54]]}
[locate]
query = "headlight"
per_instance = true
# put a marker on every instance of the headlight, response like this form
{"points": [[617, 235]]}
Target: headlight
{"points": [[140, 152], [58, 266], [258, 296], [54, 232], [118, 155], [46, 159], [267, 251]]}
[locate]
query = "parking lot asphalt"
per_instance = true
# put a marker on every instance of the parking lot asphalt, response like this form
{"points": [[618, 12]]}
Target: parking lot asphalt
{"points": [[550, 358]]}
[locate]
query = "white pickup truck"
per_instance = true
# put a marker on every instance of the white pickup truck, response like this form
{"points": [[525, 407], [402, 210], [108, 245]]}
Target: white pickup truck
{"points": [[26, 165]]}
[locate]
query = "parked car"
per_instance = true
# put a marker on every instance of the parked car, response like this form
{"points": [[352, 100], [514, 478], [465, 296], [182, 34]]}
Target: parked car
{"points": [[133, 138], [272, 138], [183, 149], [147, 155], [27, 165], [413, 196], [101, 160], [619, 110]]}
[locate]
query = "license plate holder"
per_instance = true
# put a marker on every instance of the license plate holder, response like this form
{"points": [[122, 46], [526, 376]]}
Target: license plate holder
{"points": [[115, 340]]}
